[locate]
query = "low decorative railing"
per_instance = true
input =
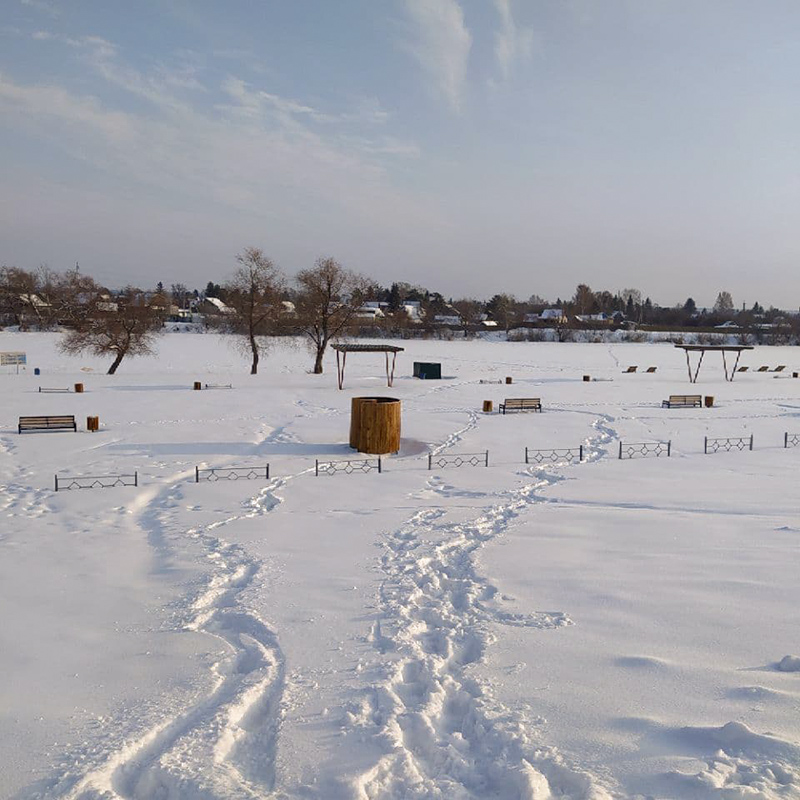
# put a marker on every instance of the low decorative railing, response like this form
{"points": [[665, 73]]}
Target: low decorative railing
{"points": [[443, 460], [553, 456], [645, 449], [95, 481], [791, 439], [348, 467], [728, 444], [231, 473]]}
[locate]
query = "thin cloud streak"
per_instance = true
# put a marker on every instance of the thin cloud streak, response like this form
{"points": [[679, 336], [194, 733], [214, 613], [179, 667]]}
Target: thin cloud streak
{"points": [[511, 41], [441, 44]]}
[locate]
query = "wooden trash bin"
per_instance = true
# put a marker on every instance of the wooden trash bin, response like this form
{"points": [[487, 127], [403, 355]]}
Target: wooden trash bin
{"points": [[78, 388], [488, 406], [587, 378], [198, 385], [375, 425], [709, 400], [509, 379], [92, 423]]}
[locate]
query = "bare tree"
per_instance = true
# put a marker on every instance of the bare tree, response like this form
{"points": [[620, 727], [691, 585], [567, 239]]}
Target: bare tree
{"points": [[126, 326], [328, 300], [470, 312], [253, 297]]}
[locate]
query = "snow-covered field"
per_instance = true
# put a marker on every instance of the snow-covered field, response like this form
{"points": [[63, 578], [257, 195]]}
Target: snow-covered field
{"points": [[614, 628]]}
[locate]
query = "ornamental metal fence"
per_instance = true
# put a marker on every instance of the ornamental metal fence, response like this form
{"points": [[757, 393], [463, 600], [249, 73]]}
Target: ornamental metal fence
{"points": [[728, 444], [231, 473], [645, 449], [348, 467], [64, 483], [443, 460], [554, 455], [791, 439]]}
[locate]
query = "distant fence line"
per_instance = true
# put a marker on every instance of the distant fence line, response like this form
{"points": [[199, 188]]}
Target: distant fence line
{"points": [[231, 473], [554, 455], [348, 467], [95, 481], [645, 449], [728, 444], [443, 460]]}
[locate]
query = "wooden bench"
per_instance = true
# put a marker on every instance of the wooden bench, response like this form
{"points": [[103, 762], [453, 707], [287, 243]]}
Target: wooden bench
{"points": [[765, 368], [521, 404], [630, 369], [53, 389], [779, 368], [683, 401], [47, 424], [651, 369], [743, 369]]}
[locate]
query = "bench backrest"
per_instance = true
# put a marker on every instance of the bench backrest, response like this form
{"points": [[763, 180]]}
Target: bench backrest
{"points": [[685, 398], [521, 402], [47, 422]]}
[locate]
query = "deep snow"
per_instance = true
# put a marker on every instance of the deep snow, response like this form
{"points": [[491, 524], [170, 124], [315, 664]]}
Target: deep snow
{"points": [[603, 629]]}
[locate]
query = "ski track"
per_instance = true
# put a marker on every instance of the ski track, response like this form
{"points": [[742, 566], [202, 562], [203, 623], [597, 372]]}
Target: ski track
{"points": [[444, 734], [224, 745]]}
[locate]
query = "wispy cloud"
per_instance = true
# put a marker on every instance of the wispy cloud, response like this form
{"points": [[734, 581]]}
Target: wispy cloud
{"points": [[512, 42], [42, 5], [257, 153], [441, 43]]}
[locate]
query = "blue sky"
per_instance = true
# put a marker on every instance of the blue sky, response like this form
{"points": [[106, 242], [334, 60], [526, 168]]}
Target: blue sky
{"points": [[473, 146]]}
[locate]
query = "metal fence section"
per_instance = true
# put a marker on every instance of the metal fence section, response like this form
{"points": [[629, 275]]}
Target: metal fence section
{"points": [[728, 444], [791, 439], [95, 481], [348, 467], [231, 473], [458, 460], [645, 449], [568, 454]]}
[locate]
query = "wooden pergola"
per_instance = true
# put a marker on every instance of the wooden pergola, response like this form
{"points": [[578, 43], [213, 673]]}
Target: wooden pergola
{"points": [[344, 349], [718, 348]]}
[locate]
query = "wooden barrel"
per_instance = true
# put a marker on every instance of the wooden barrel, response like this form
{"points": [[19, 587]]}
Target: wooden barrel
{"points": [[375, 425]]}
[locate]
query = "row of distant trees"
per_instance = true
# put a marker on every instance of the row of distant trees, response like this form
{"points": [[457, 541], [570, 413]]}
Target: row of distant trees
{"points": [[325, 301], [321, 304]]}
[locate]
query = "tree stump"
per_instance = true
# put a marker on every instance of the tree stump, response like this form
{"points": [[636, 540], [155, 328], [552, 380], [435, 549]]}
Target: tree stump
{"points": [[375, 425]]}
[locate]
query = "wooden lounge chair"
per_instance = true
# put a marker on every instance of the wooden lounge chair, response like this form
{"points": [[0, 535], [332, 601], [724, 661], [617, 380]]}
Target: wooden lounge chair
{"points": [[630, 369]]}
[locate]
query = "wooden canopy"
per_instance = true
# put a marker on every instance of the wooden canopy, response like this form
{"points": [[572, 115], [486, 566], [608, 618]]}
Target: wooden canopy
{"points": [[719, 348], [344, 349]]}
